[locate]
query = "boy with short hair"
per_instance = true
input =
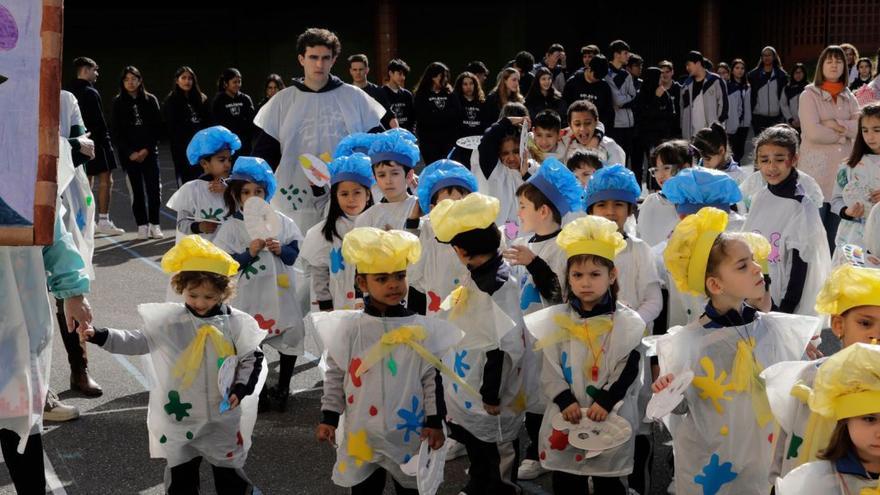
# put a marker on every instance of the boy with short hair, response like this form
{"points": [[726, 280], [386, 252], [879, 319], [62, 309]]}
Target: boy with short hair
{"points": [[589, 84], [703, 97], [545, 135], [400, 100], [583, 164], [585, 132], [623, 92]]}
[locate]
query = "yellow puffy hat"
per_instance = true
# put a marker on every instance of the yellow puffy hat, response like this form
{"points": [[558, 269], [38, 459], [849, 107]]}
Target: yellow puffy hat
{"points": [[848, 287], [847, 385], [196, 254], [452, 217], [374, 250], [591, 235], [687, 251], [760, 247]]}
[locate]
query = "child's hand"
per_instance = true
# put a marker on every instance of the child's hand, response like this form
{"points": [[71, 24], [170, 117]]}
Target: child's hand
{"points": [[572, 413], [233, 401], [492, 410], [813, 352], [662, 382], [519, 255], [518, 120], [412, 181], [597, 412], [274, 246], [855, 211], [256, 246], [875, 196], [326, 433], [434, 436], [207, 227], [85, 333], [416, 212], [217, 186]]}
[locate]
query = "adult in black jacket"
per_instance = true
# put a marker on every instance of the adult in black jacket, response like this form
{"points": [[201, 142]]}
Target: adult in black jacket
{"points": [[102, 165], [137, 125], [767, 80], [273, 85], [400, 99], [474, 118], [589, 84], [654, 108], [543, 96], [233, 109], [185, 112], [438, 113]]}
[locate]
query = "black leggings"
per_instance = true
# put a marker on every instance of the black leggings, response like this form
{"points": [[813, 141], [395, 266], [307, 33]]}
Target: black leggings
{"points": [[26, 470], [375, 485], [142, 177], [185, 479]]}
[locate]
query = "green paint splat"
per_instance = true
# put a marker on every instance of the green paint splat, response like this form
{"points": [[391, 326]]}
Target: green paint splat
{"points": [[163, 439], [175, 407], [220, 362], [392, 365], [89, 201], [189, 435], [794, 446]]}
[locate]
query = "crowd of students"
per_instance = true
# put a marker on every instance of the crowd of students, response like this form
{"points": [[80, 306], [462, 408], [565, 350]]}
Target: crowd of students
{"points": [[536, 278]]}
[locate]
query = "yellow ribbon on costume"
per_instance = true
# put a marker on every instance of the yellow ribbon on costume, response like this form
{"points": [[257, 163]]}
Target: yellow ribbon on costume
{"points": [[870, 491], [745, 377], [189, 362], [456, 302], [587, 332], [409, 335]]}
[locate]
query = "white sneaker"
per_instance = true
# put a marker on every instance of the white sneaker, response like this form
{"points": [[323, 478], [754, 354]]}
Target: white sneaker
{"points": [[143, 232], [57, 411], [529, 470], [455, 451], [106, 227], [671, 488], [156, 232]]}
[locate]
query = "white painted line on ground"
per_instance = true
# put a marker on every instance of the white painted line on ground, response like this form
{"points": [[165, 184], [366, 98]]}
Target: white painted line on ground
{"points": [[136, 373], [113, 411], [52, 482], [134, 253]]}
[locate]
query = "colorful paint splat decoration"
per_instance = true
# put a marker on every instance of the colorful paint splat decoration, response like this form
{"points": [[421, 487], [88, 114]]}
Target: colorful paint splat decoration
{"points": [[294, 195], [461, 367], [434, 302], [352, 369], [511, 230], [711, 387], [176, 408], [265, 324], [358, 447], [558, 440], [211, 213], [566, 369], [529, 296], [283, 281], [337, 263], [254, 268], [715, 475], [794, 446], [392, 365], [412, 419]]}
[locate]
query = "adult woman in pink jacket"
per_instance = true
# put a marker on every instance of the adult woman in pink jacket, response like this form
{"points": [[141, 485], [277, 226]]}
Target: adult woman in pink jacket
{"points": [[828, 113]]}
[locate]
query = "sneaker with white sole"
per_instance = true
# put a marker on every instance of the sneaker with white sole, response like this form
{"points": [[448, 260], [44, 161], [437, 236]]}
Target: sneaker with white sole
{"points": [[156, 232], [530, 469], [671, 488], [57, 411], [106, 227], [143, 232], [456, 450]]}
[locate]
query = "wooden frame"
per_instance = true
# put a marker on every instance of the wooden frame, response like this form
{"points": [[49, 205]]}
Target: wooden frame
{"points": [[45, 189]]}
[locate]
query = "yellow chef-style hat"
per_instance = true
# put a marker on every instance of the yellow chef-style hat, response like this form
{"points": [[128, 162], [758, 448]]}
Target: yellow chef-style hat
{"points": [[374, 250], [591, 235], [687, 252], [849, 287], [760, 247], [847, 385], [452, 217], [196, 254]]}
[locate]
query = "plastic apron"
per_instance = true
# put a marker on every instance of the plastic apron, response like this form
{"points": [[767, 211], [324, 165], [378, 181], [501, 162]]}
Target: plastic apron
{"points": [[489, 323], [657, 219], [385, 406], [502, 184], [788, 224], [821, 478], [266, 289], [186, 422], [438, 271], [196, 201], [387, 216], [79, 205], [318, 253], [313, 123], [569, 364], [724, 441]]}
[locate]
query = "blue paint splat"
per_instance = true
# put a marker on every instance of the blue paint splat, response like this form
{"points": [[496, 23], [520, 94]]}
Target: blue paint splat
{"points": [[467, 404], [81, 219], [566, 369], [528, 296], [412, 419], [715, 475], [455, 281], [461, 367], [455, 387], [337, 264], [406, 458]]}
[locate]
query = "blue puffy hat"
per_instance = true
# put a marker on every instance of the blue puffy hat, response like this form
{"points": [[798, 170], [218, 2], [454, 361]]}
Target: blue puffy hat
{"points": [[256, 170], [355, 168], [614, 183], [403, 133], [694, 188], [441, 174], [394, 147], [358, 142], [559, 185], [209, 141]]}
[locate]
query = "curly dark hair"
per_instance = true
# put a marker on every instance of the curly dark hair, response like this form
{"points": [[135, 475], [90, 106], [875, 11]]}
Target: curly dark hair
{"points": [[318, 37], [223, 284]]}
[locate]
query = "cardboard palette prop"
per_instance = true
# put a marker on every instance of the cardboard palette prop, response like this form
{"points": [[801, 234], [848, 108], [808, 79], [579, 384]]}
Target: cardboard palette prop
{"points": [[858, 190], [665, 401], [315, 169], [469, 142], [30, 82], [595, 436], [225, 377], [260, 219]]}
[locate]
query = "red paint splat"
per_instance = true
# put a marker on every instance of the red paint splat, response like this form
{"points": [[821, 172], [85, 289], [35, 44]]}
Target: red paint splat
{"points": [[229, 454], [264, 323], [373, 411], [542, 455], [349, 295], [434, 305], [351, 399], [238, 439], [578, 458], [558, 440], [352, 367], [770, 438]]}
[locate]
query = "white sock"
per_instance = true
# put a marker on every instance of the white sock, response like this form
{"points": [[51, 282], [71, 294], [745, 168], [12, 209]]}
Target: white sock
{"points": [[103, 216]]}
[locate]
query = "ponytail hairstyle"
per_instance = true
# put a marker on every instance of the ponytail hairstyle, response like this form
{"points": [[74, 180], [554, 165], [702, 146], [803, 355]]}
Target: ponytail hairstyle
{"points": [[709, 141], [227, 75], [860, 147]]}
